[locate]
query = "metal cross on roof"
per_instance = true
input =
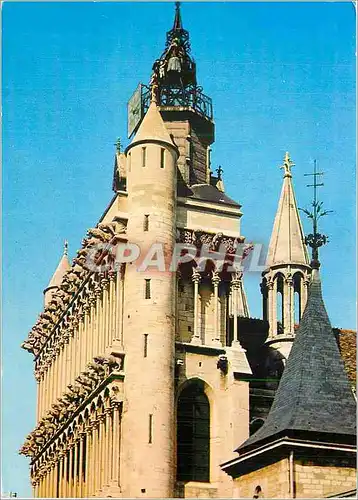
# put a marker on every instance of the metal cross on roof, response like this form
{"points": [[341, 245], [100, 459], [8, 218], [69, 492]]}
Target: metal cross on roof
{"points": [[315, 239]]}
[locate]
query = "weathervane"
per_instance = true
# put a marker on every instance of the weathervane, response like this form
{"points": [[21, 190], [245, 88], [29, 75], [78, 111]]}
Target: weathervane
{"points": [[315, 239], [65, 248]]}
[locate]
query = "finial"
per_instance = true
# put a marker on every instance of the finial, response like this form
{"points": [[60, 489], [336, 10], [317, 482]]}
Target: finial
{"points": [[287, 164], [315, 239], [177, 20], [65, 248], [118, 145], [219, 171]]}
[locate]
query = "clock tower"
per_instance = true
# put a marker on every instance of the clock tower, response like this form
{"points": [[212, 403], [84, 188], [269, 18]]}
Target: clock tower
{"points": [[187, 112]]}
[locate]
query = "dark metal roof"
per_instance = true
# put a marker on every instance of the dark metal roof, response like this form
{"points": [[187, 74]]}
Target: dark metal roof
{"points": [[206, 192], [314, 394]]}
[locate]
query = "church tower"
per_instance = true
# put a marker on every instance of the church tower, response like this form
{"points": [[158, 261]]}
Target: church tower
{"points": [[286, 278], [142, 378], [145, 351]]}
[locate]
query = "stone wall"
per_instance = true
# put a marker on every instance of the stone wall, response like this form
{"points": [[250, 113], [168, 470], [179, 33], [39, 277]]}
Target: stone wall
{"points": [[320, 481], [273, 480]]}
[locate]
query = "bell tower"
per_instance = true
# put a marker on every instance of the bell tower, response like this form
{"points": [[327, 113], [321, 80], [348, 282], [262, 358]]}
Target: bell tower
{"points": [[186, 111], [285, 281]]}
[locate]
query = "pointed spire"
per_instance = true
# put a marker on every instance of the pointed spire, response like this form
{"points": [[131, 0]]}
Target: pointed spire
{"points": [[287, 239], [63, 266], [178, 25], [152, 128], [314, 394]]}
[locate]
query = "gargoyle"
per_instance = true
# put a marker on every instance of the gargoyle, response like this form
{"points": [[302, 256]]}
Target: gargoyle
{"points": [[98, 368], [100, 234], [92, 375], [28, 346], [84, 381], [216, 241], [121, 226], [196, 236]]}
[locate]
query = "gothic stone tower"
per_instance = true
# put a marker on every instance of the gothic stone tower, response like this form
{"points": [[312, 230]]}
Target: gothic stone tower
{"points": [[285, 281], [142, 381]]}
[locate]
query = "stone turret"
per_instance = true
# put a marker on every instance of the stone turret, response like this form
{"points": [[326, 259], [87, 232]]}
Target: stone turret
{"points": [[149, 331], [286, 278], [56, 280]]}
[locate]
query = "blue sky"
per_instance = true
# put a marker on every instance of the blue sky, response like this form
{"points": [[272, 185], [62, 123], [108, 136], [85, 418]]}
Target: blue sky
{"points": [[281, 76]]}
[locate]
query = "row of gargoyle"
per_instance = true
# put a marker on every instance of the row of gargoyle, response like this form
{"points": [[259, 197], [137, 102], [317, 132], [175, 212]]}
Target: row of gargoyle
{"points": [[97, 371], [103, 233]]}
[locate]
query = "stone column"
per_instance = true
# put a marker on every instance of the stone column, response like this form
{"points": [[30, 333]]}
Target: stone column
{"points": [[216, 281], [108, 447], [288, 305], [60, 475], [87, 488], [97, 341], [102, 448], [119, 295], [80, 468], [116, 441], [65, 474], [272, 305], [82, 341], [93, 332], [236, 285], [196, 339], [74, 468], [87, 485], [112, 307], [97, 457]]}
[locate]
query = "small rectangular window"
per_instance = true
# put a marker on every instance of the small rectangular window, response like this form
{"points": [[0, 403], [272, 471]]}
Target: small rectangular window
{"points": [[144, 156], [146, 223], [162, 158], [150, 438], [147, 289], [129, 162], [145, 346]]}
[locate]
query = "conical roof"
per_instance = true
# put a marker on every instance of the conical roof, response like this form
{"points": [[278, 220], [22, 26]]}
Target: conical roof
{"points": [[152, 128], [287, 239], [63, 266], [314, 395]]}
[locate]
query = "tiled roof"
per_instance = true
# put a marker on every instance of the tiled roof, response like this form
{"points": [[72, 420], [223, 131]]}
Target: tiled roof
{"points": [[314, 395], [347, 344]]}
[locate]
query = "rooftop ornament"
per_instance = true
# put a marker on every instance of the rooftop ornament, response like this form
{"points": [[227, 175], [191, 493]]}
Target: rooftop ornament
{"points": [[173, 81], [315, 239]]}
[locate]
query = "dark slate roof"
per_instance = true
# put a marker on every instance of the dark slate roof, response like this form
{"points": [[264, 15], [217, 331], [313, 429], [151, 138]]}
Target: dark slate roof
{"points": [[314, 395], [207, 192]]}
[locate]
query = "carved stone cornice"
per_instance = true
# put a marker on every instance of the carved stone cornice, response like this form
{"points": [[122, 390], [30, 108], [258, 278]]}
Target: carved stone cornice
{"points": [[64, 408], [212, 240]]}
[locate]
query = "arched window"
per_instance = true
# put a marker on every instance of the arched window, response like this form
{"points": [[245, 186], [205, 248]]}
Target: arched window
{"points": [[280, 302], [193, 434], [297, 297]]}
